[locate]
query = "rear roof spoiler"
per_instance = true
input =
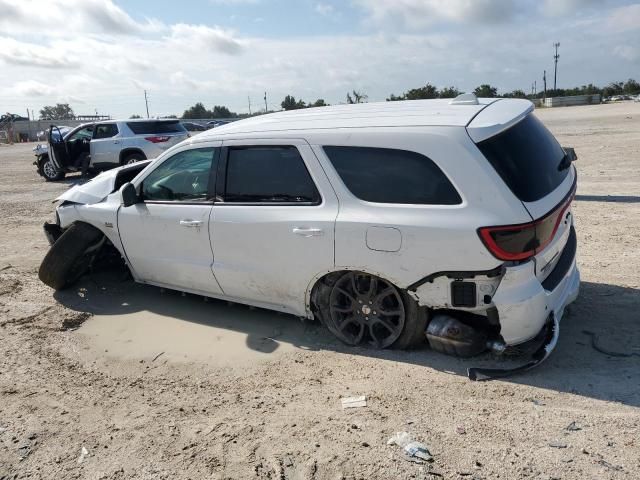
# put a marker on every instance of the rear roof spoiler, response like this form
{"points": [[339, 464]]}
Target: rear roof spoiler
{"points": [[497, 117]]}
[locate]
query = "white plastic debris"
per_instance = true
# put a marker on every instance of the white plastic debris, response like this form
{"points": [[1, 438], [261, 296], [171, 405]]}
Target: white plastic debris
{"points": [[413, 450], [83, 453], [354, 402]]}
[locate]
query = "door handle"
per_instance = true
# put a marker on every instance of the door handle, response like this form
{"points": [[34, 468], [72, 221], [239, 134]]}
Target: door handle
{"points": [[190, 223], [308, 232]]}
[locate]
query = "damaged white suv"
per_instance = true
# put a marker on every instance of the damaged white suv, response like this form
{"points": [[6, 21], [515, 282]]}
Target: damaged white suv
{"points": [[386, 221]]}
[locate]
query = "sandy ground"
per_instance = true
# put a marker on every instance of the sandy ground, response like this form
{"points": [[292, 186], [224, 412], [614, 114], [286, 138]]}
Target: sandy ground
{"points": [[157, 385]]}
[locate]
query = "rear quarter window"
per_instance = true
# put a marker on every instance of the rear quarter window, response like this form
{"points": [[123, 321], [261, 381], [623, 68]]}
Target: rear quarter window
{"points": [[156, 127], [386, 175], [527, 157]]}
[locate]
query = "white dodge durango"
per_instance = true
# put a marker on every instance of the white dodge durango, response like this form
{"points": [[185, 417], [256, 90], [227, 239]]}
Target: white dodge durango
{"points": [[388, 222]]}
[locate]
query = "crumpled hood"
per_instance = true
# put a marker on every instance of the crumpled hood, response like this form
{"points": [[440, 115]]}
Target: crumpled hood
{"points": [[96, 190]]}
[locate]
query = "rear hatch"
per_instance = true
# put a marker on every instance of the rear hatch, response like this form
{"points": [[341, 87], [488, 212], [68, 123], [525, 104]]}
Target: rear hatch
{"points": [[539, 173], [163, 133]]}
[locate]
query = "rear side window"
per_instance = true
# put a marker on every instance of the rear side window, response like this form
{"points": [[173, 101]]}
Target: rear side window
{"points": [[106, 130], [156, 127], [268, 174], [386, 175], [528, 158]]}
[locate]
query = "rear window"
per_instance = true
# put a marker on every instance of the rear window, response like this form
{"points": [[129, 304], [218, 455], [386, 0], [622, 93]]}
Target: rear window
{"points": [[528, 158], [386, 175], [156, 127]]}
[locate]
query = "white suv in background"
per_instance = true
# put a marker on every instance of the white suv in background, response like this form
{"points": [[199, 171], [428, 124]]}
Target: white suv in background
{"points": [[388, 222], [103, 145]]}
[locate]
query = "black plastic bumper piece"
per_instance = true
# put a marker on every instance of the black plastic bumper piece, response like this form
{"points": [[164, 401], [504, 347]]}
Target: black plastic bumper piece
{"points": [[52, 232], [552, 333]]}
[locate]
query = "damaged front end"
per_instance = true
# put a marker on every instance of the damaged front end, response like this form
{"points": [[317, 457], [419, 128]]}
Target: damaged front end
{"points": [[507, 309]]}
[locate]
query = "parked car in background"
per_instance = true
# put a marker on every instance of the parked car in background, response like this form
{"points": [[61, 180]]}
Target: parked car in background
{"points": [[194, 127], [93, 147], [59, 130], [388, 222], [217, 123]]}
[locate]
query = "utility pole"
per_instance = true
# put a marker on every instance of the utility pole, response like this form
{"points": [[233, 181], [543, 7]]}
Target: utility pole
{"points": [[544, 79], [29, 124], [555, 70], [146, 102], [265, 103], [535, 88], [249, 99]]}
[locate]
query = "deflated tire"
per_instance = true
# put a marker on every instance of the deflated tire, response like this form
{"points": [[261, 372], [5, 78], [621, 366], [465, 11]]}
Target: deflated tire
{"points": [[71, 256]]}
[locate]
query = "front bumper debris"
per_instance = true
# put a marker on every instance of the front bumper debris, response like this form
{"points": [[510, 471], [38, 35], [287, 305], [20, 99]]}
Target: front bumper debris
{"points": [[52, 231]]}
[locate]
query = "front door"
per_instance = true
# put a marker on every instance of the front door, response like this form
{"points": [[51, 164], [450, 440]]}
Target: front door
{"points": [[272, 226], [105, 145], [166, 235]]}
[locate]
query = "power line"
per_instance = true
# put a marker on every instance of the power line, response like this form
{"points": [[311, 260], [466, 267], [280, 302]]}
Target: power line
{"points": [[555, 70]]}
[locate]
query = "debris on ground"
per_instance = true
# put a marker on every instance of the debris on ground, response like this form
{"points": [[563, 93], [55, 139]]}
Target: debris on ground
{"points": [[573, 427], [83, 453], [354, 402], [413, 451], [557, 444]]}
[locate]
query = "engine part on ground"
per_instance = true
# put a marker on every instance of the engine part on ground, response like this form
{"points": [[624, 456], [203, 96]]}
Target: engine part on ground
{"points": [[447, 334], [552, 332]]}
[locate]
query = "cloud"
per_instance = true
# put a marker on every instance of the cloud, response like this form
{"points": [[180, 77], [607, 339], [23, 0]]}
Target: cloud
{"points": [[627, 52], [324, 9], [214, 38], [33, 88], [625, 18], [419, 13], [61, 17], [555, 8], [31, 55]]}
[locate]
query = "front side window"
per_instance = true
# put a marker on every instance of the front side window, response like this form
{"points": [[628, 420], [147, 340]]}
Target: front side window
{"points": [[83, 134], [268, 174], [183, 177], [386, 175], [105, 130]]}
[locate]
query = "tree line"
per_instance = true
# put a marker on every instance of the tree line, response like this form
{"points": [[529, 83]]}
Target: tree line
{"points": [[62, 111]]}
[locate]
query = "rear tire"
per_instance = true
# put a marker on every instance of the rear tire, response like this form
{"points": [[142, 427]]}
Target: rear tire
{"points": [[359, 308], [133, 158], [70, 257], [48, 170]]}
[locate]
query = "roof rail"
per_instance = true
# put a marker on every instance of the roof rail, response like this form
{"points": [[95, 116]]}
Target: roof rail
{"points": [[465, 99]]}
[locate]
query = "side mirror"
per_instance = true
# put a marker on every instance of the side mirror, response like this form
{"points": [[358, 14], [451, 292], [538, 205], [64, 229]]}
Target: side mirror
{"points": [[571, 153], [128, 195]]}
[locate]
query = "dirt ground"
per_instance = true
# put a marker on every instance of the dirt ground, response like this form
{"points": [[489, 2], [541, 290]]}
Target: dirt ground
{"points": [[114, 380]]}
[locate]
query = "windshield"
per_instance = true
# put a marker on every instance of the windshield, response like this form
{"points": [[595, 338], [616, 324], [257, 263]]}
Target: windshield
{"points": [[528, 158]]}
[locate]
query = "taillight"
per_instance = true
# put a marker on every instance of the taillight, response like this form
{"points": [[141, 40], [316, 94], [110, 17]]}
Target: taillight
{"points": [[158, 138], [523, 241]]}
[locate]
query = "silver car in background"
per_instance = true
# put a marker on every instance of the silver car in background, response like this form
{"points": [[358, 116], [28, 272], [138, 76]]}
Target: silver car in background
{"points": [[94, 147]]}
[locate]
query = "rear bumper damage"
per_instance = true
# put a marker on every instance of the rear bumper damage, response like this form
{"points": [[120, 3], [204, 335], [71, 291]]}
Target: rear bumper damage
{"points": [[508, 308]]}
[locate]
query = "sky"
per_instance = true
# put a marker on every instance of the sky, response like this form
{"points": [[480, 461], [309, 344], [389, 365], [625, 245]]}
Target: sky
{"points": [[101, 55]]}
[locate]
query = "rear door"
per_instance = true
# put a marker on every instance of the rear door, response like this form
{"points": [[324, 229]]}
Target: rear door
{"points": [[536, 169], [273, 222], [105, 145]]}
